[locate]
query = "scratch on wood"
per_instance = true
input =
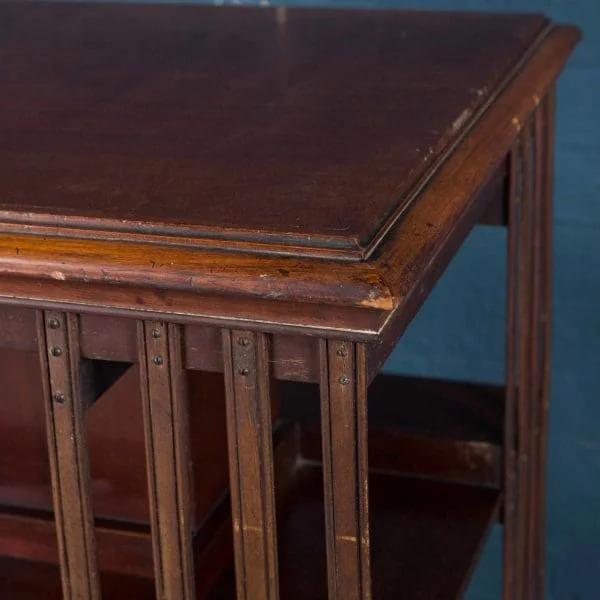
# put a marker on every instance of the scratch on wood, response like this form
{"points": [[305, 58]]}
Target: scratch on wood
{"points": [[461, 119], [478, 452], [253, 529], [347, 538]]}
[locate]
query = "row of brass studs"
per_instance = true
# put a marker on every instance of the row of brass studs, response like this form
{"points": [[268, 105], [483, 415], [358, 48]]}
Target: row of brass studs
{"points": [[56, 352], [245, 342]]}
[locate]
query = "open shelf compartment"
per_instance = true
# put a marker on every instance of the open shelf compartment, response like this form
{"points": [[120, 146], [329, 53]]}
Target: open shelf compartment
{"points": [[435, 491], [426, 537]]}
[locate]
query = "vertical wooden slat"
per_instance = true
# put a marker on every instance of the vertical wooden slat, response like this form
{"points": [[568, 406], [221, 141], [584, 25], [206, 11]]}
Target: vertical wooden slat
{"points": [[58, 335], [527, 359], [510, 438], [345, 469], [522, 367], [249, 437], [166, 426], [527, 327], [546, 166], [536, 341]]}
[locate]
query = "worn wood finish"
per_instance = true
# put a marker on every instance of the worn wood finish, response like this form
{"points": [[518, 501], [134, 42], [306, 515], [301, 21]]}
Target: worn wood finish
{"points": [[268, 314], [251, 464], [420, 248], [345, 464], [188, 270], [65, 403], [363, 300], [168, 458]]}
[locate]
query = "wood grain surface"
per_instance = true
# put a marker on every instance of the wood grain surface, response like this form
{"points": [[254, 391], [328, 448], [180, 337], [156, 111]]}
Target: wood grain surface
{"points": [[172, 121]]}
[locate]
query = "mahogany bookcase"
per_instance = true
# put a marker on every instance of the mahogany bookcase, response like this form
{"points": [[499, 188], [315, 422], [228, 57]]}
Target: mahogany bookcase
{"points": [[216, 223]]}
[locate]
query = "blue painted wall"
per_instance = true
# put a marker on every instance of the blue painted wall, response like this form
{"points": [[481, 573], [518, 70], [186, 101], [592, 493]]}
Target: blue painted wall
{"points": [[459, 333]]}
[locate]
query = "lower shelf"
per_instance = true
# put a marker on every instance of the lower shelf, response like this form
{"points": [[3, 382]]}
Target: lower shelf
{"points": [[25, 580], [426, 539]]}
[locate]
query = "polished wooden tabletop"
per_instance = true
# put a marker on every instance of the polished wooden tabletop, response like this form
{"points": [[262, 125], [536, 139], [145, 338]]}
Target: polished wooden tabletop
{"points": [[303, 128], [327, 164]]}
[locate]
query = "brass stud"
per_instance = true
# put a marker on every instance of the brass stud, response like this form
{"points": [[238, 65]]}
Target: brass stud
{"points": [[156, 333], [58, 397], [244, 342], [158, 360], [342, 351], [344, 380], [244, 372], [53, 323], [56, 351]]}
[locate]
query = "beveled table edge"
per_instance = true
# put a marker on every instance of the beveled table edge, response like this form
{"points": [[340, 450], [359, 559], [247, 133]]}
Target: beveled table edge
{"points": [[368, 301]]}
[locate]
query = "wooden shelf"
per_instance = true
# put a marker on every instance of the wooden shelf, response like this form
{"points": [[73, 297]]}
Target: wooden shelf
{"points": [[426, 537], [25, 580], [426, 534], [438, 408], [449, 430]]}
